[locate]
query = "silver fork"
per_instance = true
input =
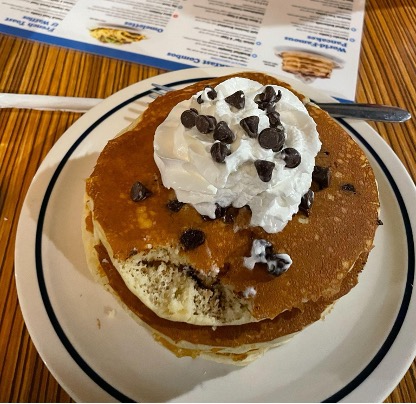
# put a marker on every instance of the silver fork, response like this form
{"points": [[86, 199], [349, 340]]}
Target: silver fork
{"points": [[367, 112]]}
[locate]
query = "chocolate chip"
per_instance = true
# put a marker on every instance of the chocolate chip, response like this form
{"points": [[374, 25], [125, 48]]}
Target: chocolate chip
{"points": [[264, 169], [348, 188], [192, 238], [291, 157], [174, 205], [251, 125], [237, 100], [188, 118], [321, 176], [271, 138], [219, 151], [205, 123], [139, 192], [223, 133], [211, 93], [199, 100], [270, 94], [277, 264], [380, 222], [267, 99], [212, 122], [220, 211], [274, 120], [306, 202], [230, 214]]}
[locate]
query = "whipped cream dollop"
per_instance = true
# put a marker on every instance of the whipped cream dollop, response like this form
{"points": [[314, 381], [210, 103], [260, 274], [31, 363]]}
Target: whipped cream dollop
{"points": [[183, 155]]}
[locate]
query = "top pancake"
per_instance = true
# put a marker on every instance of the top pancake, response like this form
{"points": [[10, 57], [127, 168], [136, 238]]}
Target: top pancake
{"points": [[323, 246]]}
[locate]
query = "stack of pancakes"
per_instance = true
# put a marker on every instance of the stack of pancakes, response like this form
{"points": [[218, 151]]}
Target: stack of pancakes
{"points": [[307, 64], [195, 301]]}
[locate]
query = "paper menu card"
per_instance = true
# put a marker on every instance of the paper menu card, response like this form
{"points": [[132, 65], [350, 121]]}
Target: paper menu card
{"points": [[316, 41]]}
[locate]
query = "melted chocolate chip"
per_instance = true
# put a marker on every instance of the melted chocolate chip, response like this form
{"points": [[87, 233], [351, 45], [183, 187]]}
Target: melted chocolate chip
{"points": [[291, 157], [321, 176], [205, 123], [380, 222], [223, 133], [271, 138], [348, 188], [277, 264], [192, 238], [188, 118], [250, 125], [199, 100], [262, 252], [174, 205], [237, 100], [139, 192], [264, 169], [219, 151], [306, 202]]}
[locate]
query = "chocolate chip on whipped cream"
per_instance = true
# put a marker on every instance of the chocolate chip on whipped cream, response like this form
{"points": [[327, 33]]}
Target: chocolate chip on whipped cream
{"points": [[219, 151], [205, 123], [251, 125], [274, 120], [208, 94], [188, 118], [291, 157], [223, 133], [264, 169], [271, 138], [267, 100], [236, 100]]}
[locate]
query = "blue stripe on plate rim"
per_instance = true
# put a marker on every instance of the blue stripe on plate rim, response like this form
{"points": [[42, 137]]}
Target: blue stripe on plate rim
{"points": [[107, 387]]}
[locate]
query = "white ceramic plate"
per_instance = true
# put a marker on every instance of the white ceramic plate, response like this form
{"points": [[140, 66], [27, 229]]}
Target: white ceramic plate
{"points": [[98, 353]]}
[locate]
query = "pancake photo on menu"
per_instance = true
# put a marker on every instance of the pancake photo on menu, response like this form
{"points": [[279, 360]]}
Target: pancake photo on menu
{"points": [[231, 215], [307, 65]]}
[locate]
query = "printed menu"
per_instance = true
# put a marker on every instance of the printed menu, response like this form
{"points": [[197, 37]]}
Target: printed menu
{"points": [[315, 41]]}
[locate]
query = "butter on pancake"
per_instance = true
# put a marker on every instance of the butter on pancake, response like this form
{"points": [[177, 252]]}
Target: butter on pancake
{"points": [[233, 314]]}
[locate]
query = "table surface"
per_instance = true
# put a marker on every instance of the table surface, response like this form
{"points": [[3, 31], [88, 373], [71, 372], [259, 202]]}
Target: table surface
{"points": [[387, 75]]}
